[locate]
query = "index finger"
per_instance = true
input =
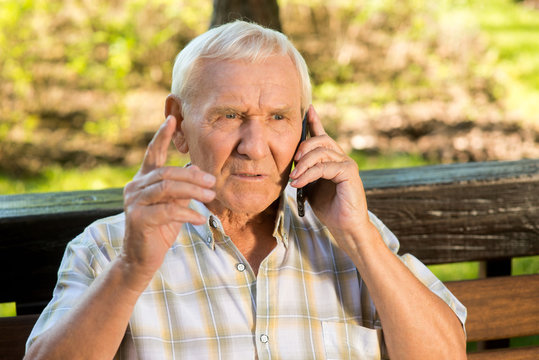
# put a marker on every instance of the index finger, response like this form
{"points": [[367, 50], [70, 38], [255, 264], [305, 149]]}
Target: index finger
{"points": [[315, 124], [156, 153]]}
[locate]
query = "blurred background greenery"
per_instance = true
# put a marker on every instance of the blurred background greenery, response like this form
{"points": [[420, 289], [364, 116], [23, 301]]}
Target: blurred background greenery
{"points": [[397, 83]]}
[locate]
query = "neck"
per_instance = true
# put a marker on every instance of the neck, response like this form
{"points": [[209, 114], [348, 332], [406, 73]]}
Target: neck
{"points": [[234, 222], [251, 233]]}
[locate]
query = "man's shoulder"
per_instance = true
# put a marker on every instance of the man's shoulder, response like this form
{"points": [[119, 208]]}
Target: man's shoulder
{"points": [[115, 221], [104, 233], [109, 227]]}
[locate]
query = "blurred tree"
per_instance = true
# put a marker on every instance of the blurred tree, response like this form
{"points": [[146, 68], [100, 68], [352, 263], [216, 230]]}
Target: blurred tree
{"points": [[263, 12]]}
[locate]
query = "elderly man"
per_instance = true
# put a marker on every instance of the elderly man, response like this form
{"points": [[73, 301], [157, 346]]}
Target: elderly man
{"points": [[212, 261]]}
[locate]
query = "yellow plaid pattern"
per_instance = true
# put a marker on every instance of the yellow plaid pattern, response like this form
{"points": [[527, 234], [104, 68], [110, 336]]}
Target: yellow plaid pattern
{"points": [[308, 301]]}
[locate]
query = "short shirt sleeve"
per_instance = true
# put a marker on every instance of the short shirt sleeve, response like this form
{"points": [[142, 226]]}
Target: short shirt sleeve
{"points": [[84, 259]]}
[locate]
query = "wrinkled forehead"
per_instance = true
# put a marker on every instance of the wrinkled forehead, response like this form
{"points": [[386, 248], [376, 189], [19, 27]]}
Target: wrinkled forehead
{"points": [[273, 75]]}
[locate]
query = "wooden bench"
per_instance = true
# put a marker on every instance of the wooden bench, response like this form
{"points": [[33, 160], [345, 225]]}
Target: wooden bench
{"points": [[485, 212]]}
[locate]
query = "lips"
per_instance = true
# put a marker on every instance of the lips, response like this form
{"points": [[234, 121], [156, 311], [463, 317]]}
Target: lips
{"points": [[249, 175]]}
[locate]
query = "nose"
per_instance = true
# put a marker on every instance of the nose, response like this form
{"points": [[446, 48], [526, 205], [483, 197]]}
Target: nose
{"points": [[254, 142]]}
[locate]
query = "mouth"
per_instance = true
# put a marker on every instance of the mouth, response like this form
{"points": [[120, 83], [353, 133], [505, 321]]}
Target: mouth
{"points": [[249, 176]]}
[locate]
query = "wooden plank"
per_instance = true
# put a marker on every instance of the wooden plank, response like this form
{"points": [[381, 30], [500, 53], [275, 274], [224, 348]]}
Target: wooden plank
{"points": [[522, 353], [26, 207], [13, 334], [501, 307], [449, 173], [463, 222]]}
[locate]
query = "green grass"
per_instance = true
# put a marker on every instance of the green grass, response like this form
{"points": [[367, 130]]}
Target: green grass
{"points": [[58, 179], [7, 309], [456, 271], [368, 161], [55, 178], [525, 341], [525, 265], [470, 270]]}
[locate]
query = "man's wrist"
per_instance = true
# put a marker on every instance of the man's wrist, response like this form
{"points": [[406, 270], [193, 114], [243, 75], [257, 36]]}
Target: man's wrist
{"points": [[130, 278], [359, 242]]}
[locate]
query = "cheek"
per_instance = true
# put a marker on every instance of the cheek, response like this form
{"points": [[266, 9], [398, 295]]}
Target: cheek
{"points": [[284, 152], [213, 151]]}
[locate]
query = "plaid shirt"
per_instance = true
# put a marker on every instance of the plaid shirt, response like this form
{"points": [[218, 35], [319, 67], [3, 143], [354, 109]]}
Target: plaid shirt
{"points": [[307, 302]]}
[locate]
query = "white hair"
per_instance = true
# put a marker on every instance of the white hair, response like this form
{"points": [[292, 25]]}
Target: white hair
{"points": [[238, 40]]}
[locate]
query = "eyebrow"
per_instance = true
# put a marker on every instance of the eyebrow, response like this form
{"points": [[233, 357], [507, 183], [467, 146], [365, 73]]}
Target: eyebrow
{"points": [[283, 109], [223, 109]]}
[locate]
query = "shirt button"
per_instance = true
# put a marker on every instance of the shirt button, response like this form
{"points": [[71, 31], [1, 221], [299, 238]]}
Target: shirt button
{"points": [[213, 222], [208, 239], [240, 267], [264, 338]]}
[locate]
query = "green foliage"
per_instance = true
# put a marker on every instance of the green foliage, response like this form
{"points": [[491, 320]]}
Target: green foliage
{"points": [[383, 56], [470, 270], [54, 53], [513, 31], [368, 161], [406, 50], [56, 178], [78, 76], [456, 271], [8, 309], [525, 265]]}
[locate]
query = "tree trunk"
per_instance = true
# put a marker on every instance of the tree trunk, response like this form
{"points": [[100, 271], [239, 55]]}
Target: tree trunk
{"points": [[263, 12]]}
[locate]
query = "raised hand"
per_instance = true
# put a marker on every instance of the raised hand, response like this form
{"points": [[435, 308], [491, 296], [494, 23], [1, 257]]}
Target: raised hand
{"points": [[337, 198], [156, 204]]}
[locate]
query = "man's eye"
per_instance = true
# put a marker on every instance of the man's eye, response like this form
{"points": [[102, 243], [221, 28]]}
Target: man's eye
{"points": [[230, 116], [278, 117]]}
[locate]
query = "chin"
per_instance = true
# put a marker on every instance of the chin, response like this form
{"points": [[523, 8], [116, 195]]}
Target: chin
{"points": [[250, 202]]}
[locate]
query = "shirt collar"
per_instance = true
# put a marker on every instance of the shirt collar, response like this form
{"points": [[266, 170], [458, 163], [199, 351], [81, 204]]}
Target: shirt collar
{"points": [[204, 230], [280, 231]]}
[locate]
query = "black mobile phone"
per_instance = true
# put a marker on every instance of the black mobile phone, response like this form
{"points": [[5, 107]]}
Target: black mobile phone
{"points": [[300, 197]]}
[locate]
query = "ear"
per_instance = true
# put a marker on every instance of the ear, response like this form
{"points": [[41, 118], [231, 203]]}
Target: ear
{"points": [[173, 106]]}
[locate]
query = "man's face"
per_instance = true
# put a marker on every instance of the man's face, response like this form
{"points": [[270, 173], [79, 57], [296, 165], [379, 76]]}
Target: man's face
{"points": [[243, 126]]}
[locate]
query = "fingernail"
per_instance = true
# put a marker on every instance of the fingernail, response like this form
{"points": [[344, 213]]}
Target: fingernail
{"points": [[293, 173], [209, 193], [298, 156], [209, 179], [293, 183]]}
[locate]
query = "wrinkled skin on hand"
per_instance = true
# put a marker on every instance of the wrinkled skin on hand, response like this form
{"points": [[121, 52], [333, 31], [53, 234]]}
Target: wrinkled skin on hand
{"points": [[156, 204], [334, 188]]}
